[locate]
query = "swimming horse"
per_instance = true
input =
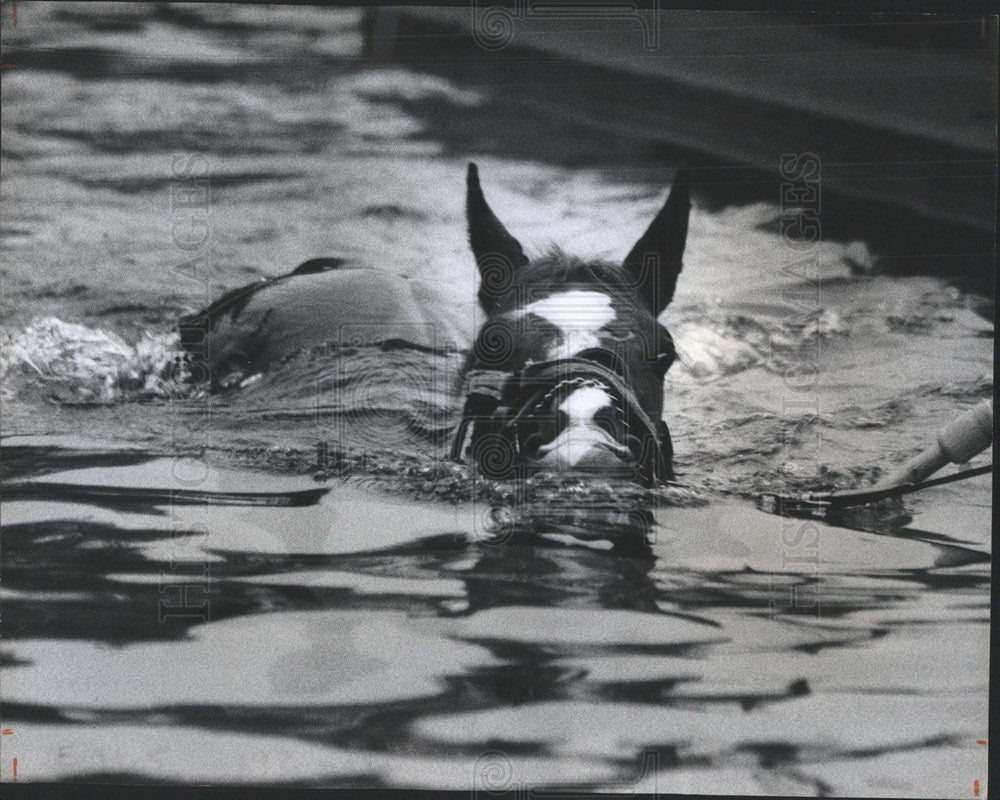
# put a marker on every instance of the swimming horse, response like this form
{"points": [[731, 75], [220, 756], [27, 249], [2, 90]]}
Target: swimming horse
{"points": [[566, 372]]}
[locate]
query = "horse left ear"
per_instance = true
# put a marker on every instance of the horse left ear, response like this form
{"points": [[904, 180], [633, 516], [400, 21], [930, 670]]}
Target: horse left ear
{"points": [[655, 261], [498, 254]]}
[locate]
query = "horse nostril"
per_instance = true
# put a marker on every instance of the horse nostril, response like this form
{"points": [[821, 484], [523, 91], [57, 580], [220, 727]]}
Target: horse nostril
{"points": [[534, 442], [634, 445], [607, 425], [620, 450]]}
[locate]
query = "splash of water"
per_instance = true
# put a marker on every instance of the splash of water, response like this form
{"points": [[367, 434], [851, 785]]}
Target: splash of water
{"points": [[77, 364], [739, 342]]}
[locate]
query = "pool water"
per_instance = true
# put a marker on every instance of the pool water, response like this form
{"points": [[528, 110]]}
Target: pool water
{"points": [[389, 634]]}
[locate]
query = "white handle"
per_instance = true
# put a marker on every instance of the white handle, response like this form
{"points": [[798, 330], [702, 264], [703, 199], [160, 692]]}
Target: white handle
{"points": [[968, 435], [957, 442]]}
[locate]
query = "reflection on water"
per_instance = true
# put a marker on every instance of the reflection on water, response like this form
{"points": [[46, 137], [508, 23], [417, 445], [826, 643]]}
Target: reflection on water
{"points": [[352, 649], [388, 635]]}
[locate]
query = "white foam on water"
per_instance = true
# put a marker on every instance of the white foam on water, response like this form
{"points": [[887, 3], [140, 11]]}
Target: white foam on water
{"points": [[710, 349], [81, 364]]}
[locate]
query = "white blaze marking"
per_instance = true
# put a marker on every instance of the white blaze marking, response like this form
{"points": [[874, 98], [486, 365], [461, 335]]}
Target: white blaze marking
{"points": [[578, 314], [582, 404], [581, 433]]}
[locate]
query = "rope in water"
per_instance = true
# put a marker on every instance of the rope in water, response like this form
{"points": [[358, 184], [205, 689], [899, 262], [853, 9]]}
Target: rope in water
{"points": [[783, 505]]}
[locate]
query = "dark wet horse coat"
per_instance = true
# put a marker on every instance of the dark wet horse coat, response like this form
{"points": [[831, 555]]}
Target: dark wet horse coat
{"points": [[565, 374], [325, 302]]}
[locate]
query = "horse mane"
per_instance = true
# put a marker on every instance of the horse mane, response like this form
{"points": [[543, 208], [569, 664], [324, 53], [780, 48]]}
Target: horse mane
{"points": [[560, 265]]}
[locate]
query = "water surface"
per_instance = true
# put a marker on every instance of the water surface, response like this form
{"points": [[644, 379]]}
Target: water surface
{"points": [[386, 636]]}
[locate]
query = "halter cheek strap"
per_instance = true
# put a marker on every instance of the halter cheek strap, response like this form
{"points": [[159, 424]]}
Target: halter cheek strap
{"points": [[486, 393]]}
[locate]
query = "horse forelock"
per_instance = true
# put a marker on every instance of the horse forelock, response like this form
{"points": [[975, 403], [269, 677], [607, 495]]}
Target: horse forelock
{"points": [[557, 268]]}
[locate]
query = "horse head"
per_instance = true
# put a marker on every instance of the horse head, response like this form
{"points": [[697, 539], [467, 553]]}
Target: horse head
{"points": [[566, 372]]}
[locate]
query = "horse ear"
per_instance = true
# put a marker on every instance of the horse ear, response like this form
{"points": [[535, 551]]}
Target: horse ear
{"points": [[498, 254], [655, 261]]}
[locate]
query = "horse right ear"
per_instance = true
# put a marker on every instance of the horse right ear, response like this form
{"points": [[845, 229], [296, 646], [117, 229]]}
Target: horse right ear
{"points": [[498, 254], [655, 261]]}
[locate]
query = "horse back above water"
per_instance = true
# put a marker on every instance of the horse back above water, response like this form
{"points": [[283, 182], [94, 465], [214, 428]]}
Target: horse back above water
{"points": [[325, 302], [564, 374]]}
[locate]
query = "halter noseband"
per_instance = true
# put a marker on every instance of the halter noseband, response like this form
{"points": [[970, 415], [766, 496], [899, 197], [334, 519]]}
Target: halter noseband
{"points": [[506, 398]]}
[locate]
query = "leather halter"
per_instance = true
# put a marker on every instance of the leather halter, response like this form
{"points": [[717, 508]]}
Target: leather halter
{"points": [[508, 398]]}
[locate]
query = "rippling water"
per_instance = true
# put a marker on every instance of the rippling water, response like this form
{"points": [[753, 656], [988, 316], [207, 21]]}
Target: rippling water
{"points": [[387, 636]]}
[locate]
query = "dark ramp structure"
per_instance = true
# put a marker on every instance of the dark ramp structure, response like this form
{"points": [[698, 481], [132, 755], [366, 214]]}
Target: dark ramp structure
{"points": [[899, 110]]}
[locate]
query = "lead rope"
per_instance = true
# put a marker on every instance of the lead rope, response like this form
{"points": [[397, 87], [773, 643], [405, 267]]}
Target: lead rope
{"points": [[809, 504]]}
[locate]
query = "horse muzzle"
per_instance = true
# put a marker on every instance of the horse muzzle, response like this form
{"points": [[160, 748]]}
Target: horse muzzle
{"points": [[581, 446], [509, 416]]}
